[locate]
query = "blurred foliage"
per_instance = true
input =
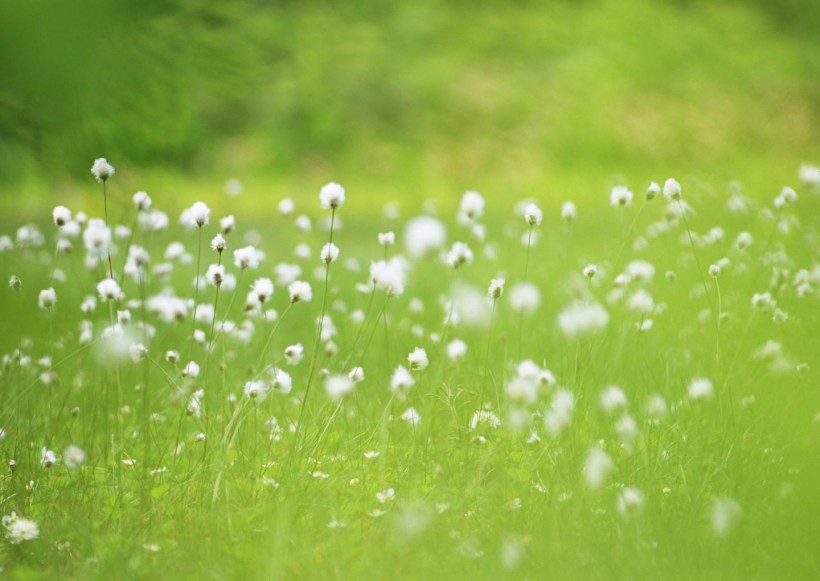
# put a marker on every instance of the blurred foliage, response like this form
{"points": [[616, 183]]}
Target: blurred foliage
{"points": [[510, 89]]}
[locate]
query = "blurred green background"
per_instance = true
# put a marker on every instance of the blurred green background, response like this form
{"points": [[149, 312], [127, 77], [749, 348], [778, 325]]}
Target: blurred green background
{"points": [[404, 98]]}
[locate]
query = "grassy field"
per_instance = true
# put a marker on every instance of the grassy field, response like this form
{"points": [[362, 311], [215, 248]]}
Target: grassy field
{"points": [[657, 418], [625, 388]]}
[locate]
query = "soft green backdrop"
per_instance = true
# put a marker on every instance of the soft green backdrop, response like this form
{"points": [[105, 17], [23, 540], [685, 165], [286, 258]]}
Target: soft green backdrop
{"points": [[405, 99]]}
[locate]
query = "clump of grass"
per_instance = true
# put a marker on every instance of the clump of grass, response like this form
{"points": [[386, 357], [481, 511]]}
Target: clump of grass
{"points": [[622, 404]]}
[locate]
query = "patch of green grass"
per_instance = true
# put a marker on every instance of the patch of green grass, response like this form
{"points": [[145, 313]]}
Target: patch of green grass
{"points": [[725, 485]]}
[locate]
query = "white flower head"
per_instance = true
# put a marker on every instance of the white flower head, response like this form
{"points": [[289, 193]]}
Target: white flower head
{"points": [[524, 297], [401, 381], [579, 319], [356, 375], [47, 458], [590, 270], [262, 288], [102, 170], [630, 500], [109, 290], [215, 275], [19, 529], [47, 298], [142, 201], [597, 468], [300, 291], [417, 359], [456, 350], [338, 386], [389, 275], [471, 207], [620, 196], [199, 214], [568, 212], [411, 416], [387, 238], [61, 215], [652, 191], [459, 254], [700, 388], [227, 224], [672, 189], [329, 253], [294, 354], [725, 514], [246, 257], [73, 457], [218, 243], [256, 390], [138, 352], [496, 288], [533, 215], [332, 196], [423, 236], [613, 399]]}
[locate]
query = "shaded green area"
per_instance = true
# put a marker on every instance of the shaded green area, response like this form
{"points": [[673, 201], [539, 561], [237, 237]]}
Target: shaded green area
{"points": [[427, 93]]}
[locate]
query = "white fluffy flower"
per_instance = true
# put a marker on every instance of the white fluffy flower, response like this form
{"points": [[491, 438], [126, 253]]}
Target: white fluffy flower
{"points": [[389, 275], [496, 288], [102, 170], [459, 254], [61, 215], [700, 388], [417, 359], [356, 374], [597, 468], [294, 354], [456, 349], [423, 236], [256, 390], [484, 418], [47, 458], [652, 191], [218, 243], [215, 274], [613, 399], [329, 253], [401, 381], [411, 416], [137, 352], [262, 288], [337, 386], [620, 196], [524, 297], [109, 290], [332, 196], [142, 201], [630, 500], [671, 189], [471, 207], [387, 238], [300, 291], [73, 457], [533, 215], [725, 514], [246, 257], [47, 298], [568, 212], [581, 319], [199, 214], [19, 529]]}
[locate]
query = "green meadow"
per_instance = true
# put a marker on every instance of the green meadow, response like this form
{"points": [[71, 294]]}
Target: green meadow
{"points": [[418, 290]]}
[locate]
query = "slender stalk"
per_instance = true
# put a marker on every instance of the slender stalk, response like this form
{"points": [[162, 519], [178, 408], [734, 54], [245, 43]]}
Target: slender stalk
{"points": [[316, 344], [107, 223]]}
